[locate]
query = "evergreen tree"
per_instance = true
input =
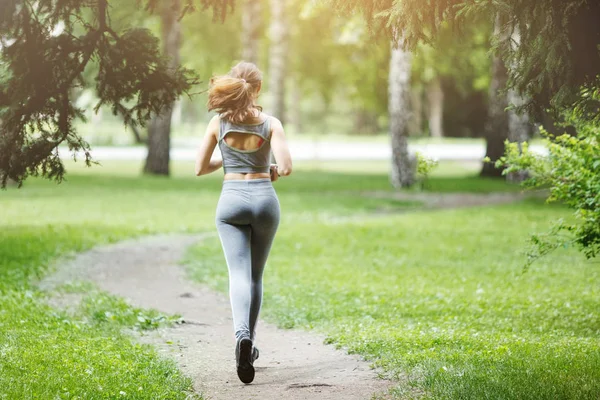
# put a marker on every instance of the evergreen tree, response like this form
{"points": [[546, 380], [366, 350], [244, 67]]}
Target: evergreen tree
{"points": [[46, 46], [557, 61]]}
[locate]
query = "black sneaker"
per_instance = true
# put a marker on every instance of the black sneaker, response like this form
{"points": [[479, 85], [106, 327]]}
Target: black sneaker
{"points": [[254, 354], [244, 357]]}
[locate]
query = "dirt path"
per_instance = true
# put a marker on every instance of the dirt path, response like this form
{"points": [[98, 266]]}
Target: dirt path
{"points": [[292, 365], [450, 200]]}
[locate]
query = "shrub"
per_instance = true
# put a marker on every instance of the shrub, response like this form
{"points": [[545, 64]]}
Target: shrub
{"points": [[571, 171]]}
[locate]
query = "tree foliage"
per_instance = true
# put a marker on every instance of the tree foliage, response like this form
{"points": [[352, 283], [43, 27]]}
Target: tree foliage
{"points": [[557, 54], [462, 63], [572, 172], [47, 45], [346, 61], [463, 59], [220, 8]]}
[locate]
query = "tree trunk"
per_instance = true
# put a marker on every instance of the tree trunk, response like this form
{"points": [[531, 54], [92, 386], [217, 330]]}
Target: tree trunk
{"points": [[415, 123], [435, 97], [519, 126], [251, 21], [518, 131], [159, 131], [403, 174], [496, 130], [278, 58]]}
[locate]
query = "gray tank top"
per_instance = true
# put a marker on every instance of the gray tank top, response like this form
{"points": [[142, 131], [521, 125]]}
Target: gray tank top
{"points": [[246, 161]]}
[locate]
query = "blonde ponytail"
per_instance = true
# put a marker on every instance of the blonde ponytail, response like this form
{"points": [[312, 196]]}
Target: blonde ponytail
{"points": [[234, 95]]}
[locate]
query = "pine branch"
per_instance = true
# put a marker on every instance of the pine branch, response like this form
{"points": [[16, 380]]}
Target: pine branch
{"points": [[36, 114]]}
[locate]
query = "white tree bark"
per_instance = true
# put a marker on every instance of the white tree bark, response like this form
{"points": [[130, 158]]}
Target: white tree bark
{"points": [[435, 97], [403, 173], [519, 125], [251, 19], [278, 57]]}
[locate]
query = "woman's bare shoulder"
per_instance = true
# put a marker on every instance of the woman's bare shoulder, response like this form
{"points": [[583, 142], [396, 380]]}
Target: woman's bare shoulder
{"points": [[275, 122], [214, 125]]}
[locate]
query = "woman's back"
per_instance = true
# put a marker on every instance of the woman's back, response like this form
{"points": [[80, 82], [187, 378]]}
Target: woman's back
{"points": [[245, 147]]}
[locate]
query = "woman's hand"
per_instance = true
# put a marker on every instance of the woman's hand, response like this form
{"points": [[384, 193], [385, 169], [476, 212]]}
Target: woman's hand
{"points": [[274, 173]]}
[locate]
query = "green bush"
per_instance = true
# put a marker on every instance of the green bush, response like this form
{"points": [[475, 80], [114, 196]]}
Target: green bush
{"points": [[571, 171]]}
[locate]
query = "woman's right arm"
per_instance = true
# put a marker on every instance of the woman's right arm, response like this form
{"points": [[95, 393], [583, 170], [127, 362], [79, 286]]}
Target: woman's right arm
{"points": [[204, 164], [280, 148]]}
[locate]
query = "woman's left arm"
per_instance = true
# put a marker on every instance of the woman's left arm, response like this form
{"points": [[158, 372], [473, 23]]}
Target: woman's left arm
{"points": [[204, 164]]}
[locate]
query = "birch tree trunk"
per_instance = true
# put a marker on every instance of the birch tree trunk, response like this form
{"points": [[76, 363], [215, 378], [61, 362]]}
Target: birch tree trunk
{"points": [[159, 131], [403, 174], [278, 58], [518, 131], [496, 130], [251, 19], [435, 97]]}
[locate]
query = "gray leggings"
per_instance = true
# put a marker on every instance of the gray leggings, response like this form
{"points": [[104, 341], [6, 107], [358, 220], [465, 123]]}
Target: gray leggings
{"points": [[247, 219]]}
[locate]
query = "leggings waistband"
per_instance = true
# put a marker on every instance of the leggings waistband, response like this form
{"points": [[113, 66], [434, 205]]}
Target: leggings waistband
{"points": [[245, 183]]}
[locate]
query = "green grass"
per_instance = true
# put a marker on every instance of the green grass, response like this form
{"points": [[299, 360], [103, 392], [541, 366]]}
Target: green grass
{"points": [[43, 221], [414, 292], [47, 354], [439, 300]]}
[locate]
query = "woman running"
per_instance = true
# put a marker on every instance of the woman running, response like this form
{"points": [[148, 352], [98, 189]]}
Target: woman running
{"points": [[248, 210]]}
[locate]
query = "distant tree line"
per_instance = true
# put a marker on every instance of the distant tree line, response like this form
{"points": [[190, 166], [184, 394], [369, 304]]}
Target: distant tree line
{"points": [[437, 67]]}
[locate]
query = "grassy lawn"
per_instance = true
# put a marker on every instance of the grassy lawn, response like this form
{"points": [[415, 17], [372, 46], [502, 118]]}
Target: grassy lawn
{"points": [[47, 353], [437, 299]]}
